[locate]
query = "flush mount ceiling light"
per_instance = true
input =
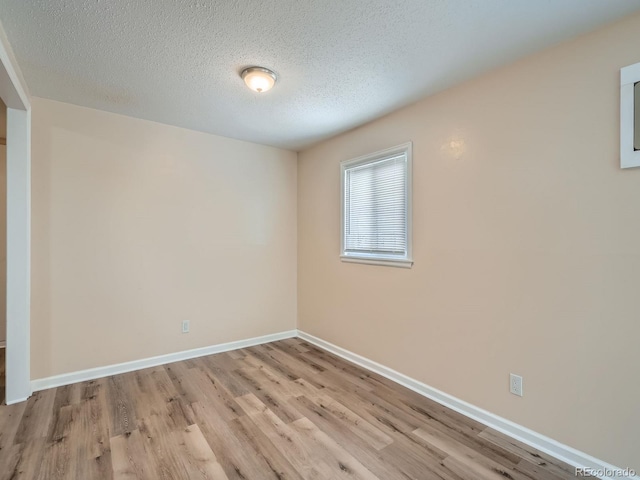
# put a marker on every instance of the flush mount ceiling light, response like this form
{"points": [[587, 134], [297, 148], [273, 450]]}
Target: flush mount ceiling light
{"points": [[259, 79]]}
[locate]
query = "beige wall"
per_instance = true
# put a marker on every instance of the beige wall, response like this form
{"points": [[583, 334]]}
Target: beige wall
{"points": [[526, 247], [137, 226]]}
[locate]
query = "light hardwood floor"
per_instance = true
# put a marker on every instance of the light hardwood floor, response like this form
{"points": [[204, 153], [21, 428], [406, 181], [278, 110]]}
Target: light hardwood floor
{"points": [[285, 410]]}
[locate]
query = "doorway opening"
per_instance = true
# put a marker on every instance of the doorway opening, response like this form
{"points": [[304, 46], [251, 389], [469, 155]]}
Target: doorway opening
{"points": [[18, 233]]}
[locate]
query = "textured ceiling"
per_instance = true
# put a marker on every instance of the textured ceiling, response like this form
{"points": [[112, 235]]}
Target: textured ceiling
{"points": [[340, 63]]}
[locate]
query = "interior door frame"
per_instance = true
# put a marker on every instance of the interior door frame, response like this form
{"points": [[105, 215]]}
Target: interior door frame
{"points": [[15, 96]]}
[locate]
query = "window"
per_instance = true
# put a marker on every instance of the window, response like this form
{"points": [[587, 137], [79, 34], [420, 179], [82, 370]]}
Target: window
{"points": [[376, 208], [629, 116]]}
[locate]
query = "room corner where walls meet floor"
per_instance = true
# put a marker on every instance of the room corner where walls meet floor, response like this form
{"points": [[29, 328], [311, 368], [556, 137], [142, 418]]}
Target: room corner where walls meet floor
{"points": [[540, 442]]}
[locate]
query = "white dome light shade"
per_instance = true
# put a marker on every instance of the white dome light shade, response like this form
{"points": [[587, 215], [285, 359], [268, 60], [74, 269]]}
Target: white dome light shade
{"points": [[259, 79]]}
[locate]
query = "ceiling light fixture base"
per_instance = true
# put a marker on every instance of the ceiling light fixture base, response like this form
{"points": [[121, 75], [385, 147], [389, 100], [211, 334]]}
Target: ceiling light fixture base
{"points": [[259, 79]]}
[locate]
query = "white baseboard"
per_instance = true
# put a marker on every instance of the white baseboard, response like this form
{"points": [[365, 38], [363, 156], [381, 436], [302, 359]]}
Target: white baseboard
{"points": [[100, 372], [16, 400], [545, 444]]}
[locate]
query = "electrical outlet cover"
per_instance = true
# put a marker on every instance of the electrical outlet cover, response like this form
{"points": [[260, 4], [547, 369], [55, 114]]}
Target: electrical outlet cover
{"points": [[515, 384]]}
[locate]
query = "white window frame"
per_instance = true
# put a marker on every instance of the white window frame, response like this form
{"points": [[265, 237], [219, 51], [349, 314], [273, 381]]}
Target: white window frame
{"points": [[629, 156], [405, 261]]}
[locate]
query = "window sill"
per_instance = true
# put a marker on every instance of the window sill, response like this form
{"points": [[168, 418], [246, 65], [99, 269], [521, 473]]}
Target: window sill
{"points": [[387, 262]]}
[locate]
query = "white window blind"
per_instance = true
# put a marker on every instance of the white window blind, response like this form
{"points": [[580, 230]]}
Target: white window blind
{"points": [[376, 206]]}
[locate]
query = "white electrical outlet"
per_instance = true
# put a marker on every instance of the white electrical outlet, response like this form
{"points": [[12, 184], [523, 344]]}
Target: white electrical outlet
{"points": [[185, 326], [515, 384]]}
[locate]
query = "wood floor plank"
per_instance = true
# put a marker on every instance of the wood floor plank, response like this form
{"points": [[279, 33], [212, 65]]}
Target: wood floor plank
{"points": [[236, 354], [199, 385], [538, 472], [58, 459], [130, 459], [158, 433], [276, 379], [295, 344], [365, 430], [463, 459], [238, 459], [373, 409], [288, 353], [305, 388], [178, 371], [275, 399], [527, 453], [416, 462], [197, 456], [289, 369], [348, 440], [90, 431], [180, 411], [180, 375], [332, 454], [460, 432], [270, 380], [282, 411], [9, 462], [78, 445], [341, 365], [336, 367], [221, 366], [28, 460], [64, 396], [153, 390], [248, 433], [10, 419], [288, 442], [122, 403], [37, 416]]}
